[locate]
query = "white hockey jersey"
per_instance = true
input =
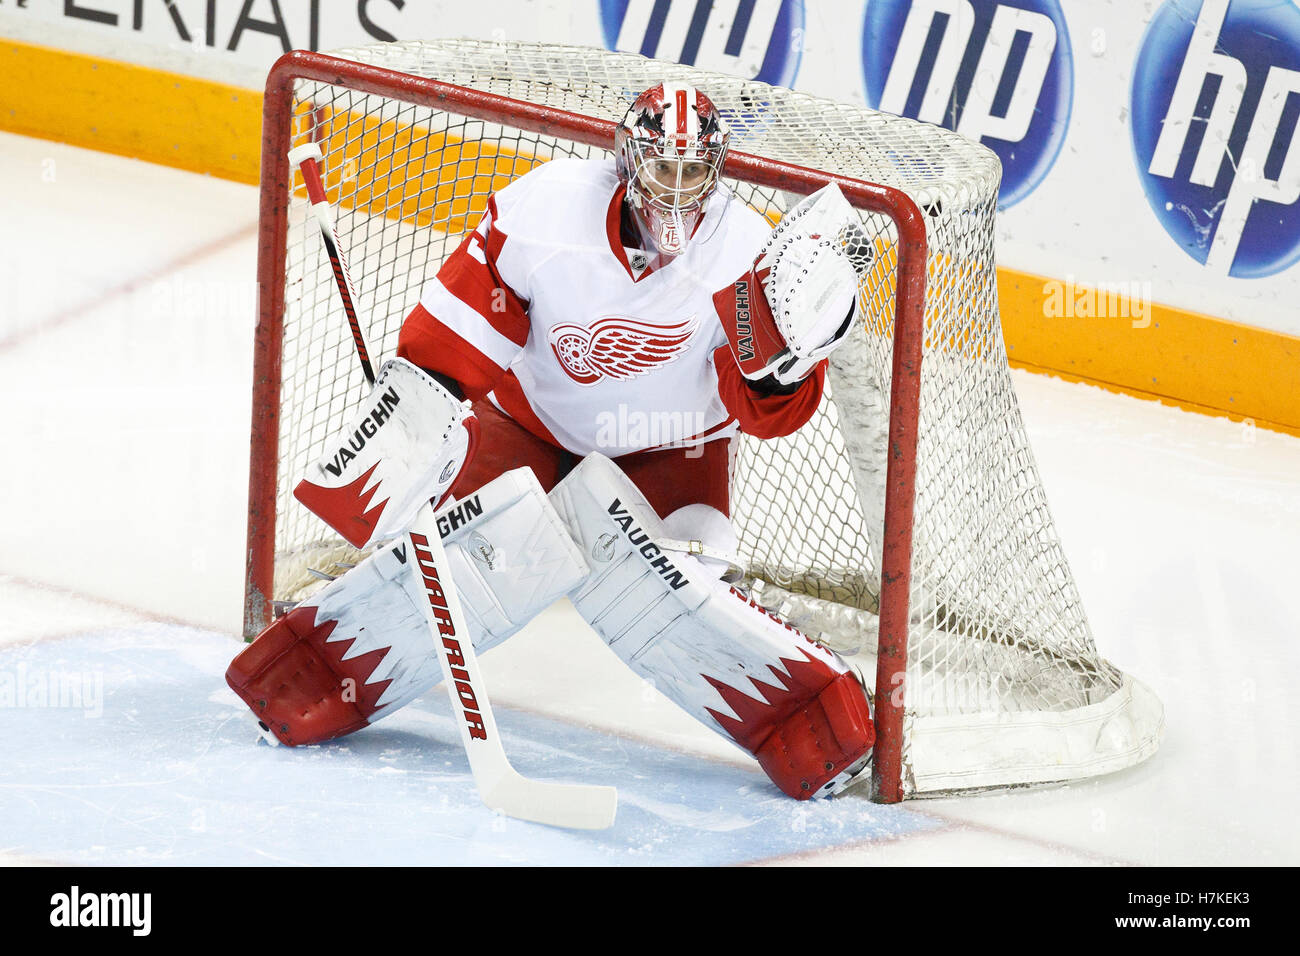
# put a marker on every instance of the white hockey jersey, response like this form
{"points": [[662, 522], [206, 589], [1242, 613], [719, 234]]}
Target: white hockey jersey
{"points": [[579, 339]]}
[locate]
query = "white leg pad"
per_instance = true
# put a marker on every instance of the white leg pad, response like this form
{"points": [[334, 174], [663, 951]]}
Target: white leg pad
{"points": [[726, 661], [319, 672], [511, 555]]}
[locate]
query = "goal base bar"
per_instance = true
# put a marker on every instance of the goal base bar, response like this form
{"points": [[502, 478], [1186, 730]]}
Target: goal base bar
{"points": [[953, 755]]}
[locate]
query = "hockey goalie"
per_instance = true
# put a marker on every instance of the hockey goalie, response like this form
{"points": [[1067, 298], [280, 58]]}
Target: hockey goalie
{"points": [[567, 391]]}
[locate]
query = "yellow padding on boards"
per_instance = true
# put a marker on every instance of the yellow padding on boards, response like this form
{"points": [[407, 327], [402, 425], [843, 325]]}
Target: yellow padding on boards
{"points": [[406, 171], [166, 118], [1195, 361]]}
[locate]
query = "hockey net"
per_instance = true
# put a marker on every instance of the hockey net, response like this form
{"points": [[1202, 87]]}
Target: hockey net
{"points": [[1003, 684]]}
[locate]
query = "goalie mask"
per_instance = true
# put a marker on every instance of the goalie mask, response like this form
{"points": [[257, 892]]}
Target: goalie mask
{"points": [[669, 149]]}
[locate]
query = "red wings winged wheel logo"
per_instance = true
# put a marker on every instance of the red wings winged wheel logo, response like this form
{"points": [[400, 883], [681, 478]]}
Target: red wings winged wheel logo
{"points": [[617, 348]]}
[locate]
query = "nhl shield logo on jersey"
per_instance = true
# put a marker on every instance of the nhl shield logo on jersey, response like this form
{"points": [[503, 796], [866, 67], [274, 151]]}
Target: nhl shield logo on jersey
{"points": [[618, 348]]}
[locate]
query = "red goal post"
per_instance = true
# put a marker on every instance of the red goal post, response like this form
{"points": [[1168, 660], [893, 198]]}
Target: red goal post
{"points": [[371, 85]]}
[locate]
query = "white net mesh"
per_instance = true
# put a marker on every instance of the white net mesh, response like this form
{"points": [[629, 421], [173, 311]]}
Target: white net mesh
{"points": [[997, 637]]}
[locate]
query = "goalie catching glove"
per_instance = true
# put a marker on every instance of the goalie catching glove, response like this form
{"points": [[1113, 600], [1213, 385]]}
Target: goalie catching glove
{"points": [[407, 444], [799, 301]]}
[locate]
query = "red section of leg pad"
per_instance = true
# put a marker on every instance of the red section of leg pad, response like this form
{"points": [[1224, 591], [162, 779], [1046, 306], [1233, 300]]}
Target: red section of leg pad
{"points": [[818, 741], [294, 681]]}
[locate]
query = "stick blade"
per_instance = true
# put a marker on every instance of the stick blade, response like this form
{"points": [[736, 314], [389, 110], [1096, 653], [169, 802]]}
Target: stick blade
{"points": [[568, 805]]}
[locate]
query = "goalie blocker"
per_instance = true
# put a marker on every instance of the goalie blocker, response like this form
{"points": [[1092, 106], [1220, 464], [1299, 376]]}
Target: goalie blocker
{"points": [[405, 447], [361, 648]]}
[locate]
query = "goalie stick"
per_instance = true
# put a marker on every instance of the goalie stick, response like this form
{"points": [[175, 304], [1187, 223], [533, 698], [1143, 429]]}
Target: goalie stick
{"points": [[306, 159], [500, 786]]}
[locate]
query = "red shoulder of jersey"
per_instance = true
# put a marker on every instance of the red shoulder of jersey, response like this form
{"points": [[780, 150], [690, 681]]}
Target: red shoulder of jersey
{"points": [[470, 323]]}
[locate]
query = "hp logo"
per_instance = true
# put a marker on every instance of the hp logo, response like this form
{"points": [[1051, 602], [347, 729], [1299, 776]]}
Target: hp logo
{"points": [[998, 72], [754, 39], [1215, 98]]}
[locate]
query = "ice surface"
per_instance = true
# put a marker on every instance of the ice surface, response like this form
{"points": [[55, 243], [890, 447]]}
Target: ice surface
{"points": [[162, 766]]}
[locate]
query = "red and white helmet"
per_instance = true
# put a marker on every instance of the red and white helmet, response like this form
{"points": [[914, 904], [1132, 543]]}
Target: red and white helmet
{"points": [[669, 149]]}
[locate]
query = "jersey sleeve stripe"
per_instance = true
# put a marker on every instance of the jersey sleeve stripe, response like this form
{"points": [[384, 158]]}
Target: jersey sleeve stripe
{"points": [[469, 323], [470, 274], [428, 343]]}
